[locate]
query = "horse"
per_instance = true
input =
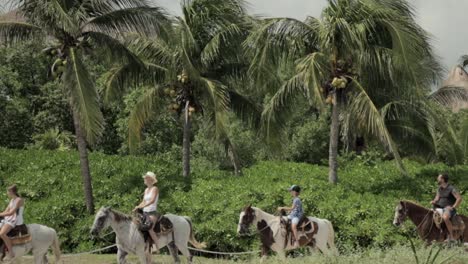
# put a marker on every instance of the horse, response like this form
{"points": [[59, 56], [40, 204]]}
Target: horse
{"points": [[423, 219], [42, 238], [273, 236], [129, 239]]}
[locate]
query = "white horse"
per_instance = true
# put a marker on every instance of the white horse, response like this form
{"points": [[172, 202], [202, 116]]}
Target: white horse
{"points": [[43, 238], [130, 240], [273, 235]]}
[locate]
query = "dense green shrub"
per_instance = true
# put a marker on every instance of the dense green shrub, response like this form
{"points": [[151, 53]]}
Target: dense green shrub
{"points": [[360, 206], [309, 141]]}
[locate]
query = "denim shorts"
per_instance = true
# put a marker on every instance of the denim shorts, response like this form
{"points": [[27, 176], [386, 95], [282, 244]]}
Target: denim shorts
{"points": [[452, 213], [294, 220]]}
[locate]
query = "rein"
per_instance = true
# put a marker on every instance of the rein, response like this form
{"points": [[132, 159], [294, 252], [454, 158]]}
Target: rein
{"points": [[420, 224]]}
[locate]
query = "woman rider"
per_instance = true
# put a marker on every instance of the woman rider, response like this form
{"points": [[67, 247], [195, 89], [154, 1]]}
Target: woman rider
{"points": [[13, 216], [149, 205]]}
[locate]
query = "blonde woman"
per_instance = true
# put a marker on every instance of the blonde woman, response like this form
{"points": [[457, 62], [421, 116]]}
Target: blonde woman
{"points": [[149, 205], [13, 216]]}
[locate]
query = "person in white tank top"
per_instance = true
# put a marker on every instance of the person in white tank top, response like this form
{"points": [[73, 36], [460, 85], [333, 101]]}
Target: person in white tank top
{"points": [[12, 216], [149, 205]]}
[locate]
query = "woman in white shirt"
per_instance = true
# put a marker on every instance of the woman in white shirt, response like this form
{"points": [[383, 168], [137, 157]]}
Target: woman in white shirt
{"points": [[13, 216], [149, 205]]}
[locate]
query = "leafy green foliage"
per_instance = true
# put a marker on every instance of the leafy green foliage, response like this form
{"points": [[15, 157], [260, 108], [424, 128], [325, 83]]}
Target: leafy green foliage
{"points": [[309, 141], [53, 139]]}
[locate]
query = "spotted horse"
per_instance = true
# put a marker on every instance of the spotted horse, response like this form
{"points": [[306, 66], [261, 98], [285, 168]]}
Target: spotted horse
{"points": [[315, 233]]}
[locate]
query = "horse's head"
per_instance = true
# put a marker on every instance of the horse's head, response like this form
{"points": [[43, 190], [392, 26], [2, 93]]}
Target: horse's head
{"points": [[401, 212], [101, 220], [246, 218]]}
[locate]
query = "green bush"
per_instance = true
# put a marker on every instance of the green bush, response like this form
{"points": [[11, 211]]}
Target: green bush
{"points": [[309, 141], [361, 206]]}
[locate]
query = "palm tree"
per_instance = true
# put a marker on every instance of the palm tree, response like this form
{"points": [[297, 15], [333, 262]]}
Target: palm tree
{"points": [[75, 29], [351, 58], [453, 96], [193, 69]]}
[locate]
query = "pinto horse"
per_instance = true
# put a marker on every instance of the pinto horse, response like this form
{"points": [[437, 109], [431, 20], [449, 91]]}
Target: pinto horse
{"points": [[273, 235], [423, 219]]}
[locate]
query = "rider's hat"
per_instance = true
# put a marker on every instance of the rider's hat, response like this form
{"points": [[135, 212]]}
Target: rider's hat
{"points": [[151, 175], [294, 188]]}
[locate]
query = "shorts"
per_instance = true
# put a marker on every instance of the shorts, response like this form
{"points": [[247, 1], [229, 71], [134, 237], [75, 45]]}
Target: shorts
{"points": [[4, 222], [294, 219], [452, 213]]}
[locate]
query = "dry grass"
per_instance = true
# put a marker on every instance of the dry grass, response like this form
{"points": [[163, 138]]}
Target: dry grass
{"points": [[396, 255]]}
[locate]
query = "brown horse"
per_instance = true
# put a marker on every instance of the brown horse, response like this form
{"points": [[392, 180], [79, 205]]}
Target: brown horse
{"points": [[423, 219]]}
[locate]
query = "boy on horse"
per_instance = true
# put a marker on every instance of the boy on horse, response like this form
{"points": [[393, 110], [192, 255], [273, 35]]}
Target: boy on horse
{"points": [[295, 210], [449, 199]]}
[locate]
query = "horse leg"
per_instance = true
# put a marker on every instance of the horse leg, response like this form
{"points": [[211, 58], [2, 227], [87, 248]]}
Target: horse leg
{"points": [[322, 246], [44, 259], [144, 256], [174, 252], [39, 258], [121, 256], [184, 250], [281, 255], [264, 253]]}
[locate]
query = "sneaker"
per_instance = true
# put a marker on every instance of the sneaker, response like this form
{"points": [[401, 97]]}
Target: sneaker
{"points": [[155, 248], [8, 258], [296, 244]]}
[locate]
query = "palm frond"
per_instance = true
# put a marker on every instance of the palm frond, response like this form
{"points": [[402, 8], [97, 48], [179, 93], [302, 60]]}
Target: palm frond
{"points": [[143, 20], [211, 50], [140, 114], [114, 50], [218, 93], [449, 96], [84, 97], [13, 32], [363, 109], [245, 108]]}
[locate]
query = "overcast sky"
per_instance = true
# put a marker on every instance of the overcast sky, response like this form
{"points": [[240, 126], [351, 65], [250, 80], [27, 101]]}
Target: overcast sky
{"points": [[446, 20]]}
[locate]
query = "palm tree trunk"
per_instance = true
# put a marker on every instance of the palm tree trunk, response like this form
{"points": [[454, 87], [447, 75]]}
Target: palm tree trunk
{"points": [[234, 159], [334, 139], [84, 163], [186, 141]]}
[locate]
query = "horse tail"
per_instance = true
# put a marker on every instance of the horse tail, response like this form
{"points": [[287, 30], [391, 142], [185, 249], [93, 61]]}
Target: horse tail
{"points": [[331, 238], [192, 239], [56, 248]]}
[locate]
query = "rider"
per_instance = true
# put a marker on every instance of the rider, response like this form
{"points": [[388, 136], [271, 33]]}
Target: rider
{"points": [[150, 202], [295, 210], [447, 198], [13, 216]]}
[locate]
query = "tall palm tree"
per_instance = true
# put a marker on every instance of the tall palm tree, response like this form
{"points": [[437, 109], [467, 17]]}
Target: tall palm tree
{"points": [[75, 29], [358, 51], [453, 95], [194, 68]]}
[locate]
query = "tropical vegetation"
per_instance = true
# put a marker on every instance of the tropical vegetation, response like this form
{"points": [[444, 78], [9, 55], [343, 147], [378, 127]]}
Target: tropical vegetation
{"points": [[123, 87]]}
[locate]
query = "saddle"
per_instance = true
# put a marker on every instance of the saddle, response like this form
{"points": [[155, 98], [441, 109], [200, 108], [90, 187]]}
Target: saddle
{"points": [[306, 230], [162, 226], [19, 236], [457, 223]]}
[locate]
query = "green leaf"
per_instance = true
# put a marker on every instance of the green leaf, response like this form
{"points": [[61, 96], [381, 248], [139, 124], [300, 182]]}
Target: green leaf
{"points": [[83, 96]]}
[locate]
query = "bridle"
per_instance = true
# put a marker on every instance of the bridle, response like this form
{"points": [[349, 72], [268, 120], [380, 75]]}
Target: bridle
{"points": [[246, 226]]}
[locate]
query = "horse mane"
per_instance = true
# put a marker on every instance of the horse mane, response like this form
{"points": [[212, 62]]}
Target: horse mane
{"points": [[263, 212], [415, 204], [120, 217]]}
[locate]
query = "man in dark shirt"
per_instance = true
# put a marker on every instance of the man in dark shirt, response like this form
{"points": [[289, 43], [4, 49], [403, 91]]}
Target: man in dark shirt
{"points": [[447, 198]]}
